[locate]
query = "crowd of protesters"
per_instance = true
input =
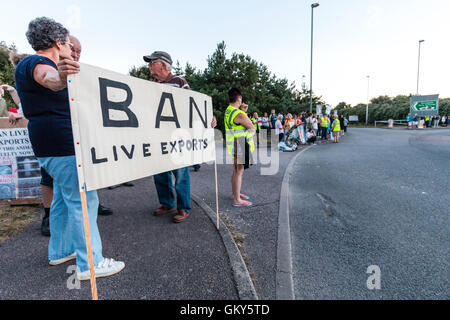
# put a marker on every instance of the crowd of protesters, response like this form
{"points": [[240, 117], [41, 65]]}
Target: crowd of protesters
{"points": [[416, 122], [315, 125]]}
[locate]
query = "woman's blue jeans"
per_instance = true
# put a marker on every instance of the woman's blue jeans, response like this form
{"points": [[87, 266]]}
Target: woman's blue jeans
{"points": [[66, 216]]}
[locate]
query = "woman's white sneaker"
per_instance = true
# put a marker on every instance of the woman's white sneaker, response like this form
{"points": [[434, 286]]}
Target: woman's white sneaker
{"points": [[65, 259], [106, 268]]}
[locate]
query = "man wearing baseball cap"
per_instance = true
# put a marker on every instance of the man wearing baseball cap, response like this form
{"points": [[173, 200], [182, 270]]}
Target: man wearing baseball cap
{"points": [[160, 64]]}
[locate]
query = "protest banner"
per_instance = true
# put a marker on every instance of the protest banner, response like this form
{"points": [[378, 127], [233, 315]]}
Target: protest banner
{"points": [[125, 128], [20, 174], [319, 109]]}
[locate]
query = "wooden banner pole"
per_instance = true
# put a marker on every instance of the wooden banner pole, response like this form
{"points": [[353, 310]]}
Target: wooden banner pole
{"points": [[88, 244], [217, 196]]}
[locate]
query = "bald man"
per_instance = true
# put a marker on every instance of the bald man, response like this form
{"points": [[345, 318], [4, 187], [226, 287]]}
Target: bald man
{"points": [[76, 49]]}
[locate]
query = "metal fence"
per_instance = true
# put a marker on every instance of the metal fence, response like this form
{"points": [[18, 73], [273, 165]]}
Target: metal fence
{"points": [[394, 122]]}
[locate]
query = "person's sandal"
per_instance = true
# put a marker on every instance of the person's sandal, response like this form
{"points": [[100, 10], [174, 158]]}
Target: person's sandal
{"points": [[243, 205]]}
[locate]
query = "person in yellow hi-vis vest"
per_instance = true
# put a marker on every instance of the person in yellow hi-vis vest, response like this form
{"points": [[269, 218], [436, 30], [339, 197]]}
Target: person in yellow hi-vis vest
{"points": [[324, 123], [239, 139], [336, 129], [254, 120]]}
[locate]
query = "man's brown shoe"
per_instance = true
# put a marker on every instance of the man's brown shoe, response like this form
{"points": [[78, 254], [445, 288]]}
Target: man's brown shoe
{"points": [[162, 211], [181, 216]]}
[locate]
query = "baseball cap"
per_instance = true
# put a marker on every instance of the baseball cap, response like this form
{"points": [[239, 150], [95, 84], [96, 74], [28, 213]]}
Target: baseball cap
{"points": [[164, 56]]}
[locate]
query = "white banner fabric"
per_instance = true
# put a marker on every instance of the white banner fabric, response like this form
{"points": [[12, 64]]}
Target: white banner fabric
{"points": [[127, 128]]}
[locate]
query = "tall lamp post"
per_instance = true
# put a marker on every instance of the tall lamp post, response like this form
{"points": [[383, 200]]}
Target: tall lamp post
{"points": [[367, 107], [314, 5], [418, 68]]}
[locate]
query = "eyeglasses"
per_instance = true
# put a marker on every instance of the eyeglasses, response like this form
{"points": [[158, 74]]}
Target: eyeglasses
{"points": [[70, 45], [154, 61]]}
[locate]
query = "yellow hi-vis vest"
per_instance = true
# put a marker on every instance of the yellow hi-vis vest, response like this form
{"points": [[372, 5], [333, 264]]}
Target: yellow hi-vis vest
{"points": [[325, 122], [255, 123], [234, 131], [337, 125]]}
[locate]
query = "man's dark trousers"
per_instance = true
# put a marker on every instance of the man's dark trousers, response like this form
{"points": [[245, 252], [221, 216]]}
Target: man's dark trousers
{"points": [[324, 133]]}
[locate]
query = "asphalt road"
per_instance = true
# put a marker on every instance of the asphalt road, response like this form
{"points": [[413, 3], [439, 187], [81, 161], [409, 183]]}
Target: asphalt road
{"points": [[379, 198]]}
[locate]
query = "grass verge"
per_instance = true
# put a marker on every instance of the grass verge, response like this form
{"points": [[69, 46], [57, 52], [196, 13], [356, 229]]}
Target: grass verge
{"points": [[14, 219]]}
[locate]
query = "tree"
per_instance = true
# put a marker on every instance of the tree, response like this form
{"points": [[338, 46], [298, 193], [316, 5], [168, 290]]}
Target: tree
{"points": [[341, 107], [177, 70], [142, 72]]}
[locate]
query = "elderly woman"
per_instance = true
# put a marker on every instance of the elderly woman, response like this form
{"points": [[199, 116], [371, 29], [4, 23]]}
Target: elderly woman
{"points": [[41, 81], [279, 131]]}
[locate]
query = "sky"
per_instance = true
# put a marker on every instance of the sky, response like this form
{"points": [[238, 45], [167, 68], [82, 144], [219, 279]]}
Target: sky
{"points": [[353, 39]]}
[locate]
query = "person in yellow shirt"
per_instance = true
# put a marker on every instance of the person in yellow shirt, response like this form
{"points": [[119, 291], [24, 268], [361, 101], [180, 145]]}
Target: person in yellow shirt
{"points": [[289, 123], [336, 129]]}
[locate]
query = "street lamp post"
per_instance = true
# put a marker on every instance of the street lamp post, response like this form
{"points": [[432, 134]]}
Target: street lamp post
{"points": [[367, 107], [418, 68], [314, 5]]}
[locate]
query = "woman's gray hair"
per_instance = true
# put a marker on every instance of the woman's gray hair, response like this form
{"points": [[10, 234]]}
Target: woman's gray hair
{"points": [[44, 32]]}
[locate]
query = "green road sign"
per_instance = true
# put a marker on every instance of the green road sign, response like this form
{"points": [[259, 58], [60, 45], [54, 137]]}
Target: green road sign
{"points": [[426, 105]]}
